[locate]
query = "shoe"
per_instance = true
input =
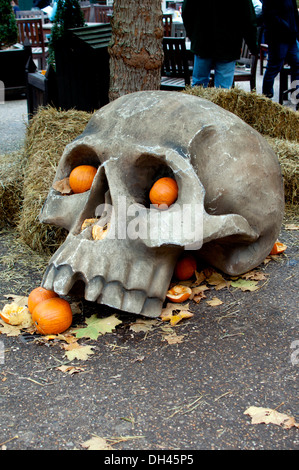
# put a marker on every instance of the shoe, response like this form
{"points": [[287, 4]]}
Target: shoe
{"points": [[268, 95]]}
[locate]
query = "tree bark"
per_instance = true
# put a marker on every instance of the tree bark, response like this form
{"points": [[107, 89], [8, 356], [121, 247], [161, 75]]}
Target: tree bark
{"points": [[136, 52]]}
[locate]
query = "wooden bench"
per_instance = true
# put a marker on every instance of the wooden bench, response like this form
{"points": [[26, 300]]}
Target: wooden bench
{"points": [[175, 74]]}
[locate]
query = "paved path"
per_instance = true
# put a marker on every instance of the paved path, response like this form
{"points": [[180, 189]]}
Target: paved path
{"points": [[13, 121]]}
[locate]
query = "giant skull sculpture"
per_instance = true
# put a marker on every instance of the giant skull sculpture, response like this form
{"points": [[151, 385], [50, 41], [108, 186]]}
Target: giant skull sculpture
{"points": [[225, 170]]}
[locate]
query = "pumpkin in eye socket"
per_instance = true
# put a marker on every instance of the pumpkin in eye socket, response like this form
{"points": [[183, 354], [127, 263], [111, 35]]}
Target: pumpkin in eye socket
{"points": [[81, 178], [164, 191]]}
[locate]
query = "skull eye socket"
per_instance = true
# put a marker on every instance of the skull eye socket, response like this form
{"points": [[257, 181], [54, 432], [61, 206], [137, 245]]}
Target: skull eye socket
{"points": [[140, 177], [80, 155]]}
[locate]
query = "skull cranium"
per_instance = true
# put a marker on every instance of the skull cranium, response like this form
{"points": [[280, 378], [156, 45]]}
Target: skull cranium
{"points": [[226, 173]]}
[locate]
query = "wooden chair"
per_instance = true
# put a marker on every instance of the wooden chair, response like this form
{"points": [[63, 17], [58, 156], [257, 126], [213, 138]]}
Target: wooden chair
{"points": [[86, 12], [31, 14], [32, 29], [245, 70], [263, 52], [175, 73], [167, 25], [102, 13]]}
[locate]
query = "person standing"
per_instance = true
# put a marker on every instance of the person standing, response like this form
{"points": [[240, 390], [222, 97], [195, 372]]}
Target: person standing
{"points": [[281, 21], [216, 30]]}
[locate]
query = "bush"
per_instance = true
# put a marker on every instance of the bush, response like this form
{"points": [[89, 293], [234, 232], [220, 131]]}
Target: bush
{"points": [[68, 15], [8, 25]]}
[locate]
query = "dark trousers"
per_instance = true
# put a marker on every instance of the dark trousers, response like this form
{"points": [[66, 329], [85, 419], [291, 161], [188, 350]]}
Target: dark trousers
{"points": [[278, 54]]}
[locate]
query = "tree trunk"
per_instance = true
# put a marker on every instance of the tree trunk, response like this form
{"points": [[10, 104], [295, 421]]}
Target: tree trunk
{"points": [[136, 52]]}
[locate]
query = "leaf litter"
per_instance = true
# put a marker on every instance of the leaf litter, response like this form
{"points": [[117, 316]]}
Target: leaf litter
{"points": [[201, 284]]}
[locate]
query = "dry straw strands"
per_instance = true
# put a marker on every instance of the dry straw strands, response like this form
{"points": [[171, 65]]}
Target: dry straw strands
{"points": [[265, 116], [48, 133], [11, 184]]}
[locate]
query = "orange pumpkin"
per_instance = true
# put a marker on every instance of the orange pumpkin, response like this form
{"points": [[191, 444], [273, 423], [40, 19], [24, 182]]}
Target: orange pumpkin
{"points": [[52, 316], [185, 268], [164, 191], [81, 178], [37, 295], [179, 293]]}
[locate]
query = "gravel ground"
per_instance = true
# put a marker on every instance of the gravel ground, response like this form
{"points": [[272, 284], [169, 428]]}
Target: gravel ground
{"points": [[148, 394]]}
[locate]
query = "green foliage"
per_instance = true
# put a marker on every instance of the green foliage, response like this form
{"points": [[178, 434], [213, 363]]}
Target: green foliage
{"points": [[8, 26], [68, 15]]}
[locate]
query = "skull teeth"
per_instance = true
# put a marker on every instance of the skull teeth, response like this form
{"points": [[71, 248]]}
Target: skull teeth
{"points": [[148, 302]]}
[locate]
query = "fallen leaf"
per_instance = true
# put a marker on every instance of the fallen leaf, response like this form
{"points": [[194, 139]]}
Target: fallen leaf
{"points": [[267, 415], [68, 338], [9, 330], [200, 277], [143, 325], [175, 313], [254, 275], [97, 326], [183, 314], [245, 285], [214, 302], [198, 293], [70, 369], [63, 186], [76, 351], [197, 298], [170, 308], [174, 338], [20, 300], [215, 278], [198, 290], [96, 443]]}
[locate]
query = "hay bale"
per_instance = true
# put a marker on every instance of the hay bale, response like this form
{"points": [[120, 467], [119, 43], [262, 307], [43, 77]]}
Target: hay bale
{"points": [[267, 117], [288, 155], [48, 133], [11, 186]]}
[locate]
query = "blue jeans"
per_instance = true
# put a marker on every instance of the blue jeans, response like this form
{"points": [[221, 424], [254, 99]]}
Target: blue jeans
{"points": [[278, 54], [224, 72]]}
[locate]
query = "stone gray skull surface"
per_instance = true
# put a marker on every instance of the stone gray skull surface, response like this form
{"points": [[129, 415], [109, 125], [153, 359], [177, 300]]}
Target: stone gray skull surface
{"points": [[227, 175]]}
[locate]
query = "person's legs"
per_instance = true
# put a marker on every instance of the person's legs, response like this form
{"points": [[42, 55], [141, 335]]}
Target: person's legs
{"points": [[292, 58], [201, 71], [224, 73], [276, 57]]}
